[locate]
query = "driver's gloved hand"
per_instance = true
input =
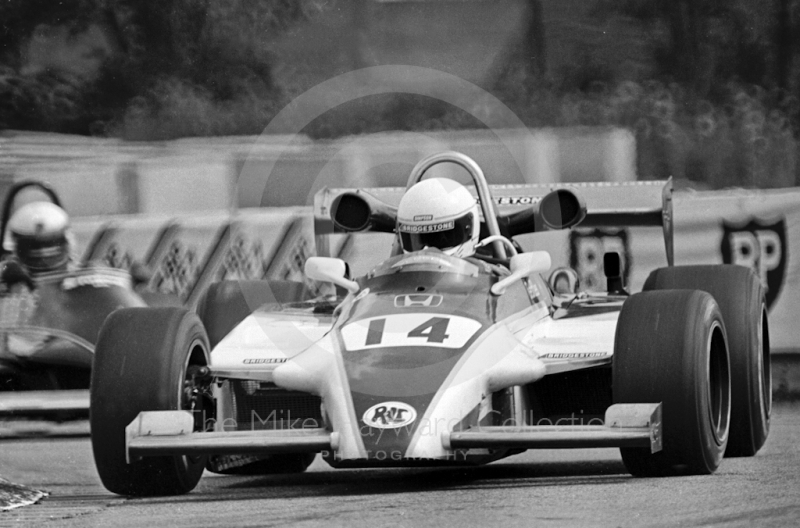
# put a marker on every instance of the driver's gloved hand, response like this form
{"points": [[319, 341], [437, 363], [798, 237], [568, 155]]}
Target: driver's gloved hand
{"points": [[140, 274]]}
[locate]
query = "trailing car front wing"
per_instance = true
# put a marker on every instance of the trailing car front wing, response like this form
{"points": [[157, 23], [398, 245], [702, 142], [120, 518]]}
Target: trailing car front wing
{"points": [[43, 403]]}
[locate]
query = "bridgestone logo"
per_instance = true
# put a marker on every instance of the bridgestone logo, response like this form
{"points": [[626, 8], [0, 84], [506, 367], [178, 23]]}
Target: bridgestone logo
{"points": [[426, 228], [259, 361], [518, 200], [570, 355]]}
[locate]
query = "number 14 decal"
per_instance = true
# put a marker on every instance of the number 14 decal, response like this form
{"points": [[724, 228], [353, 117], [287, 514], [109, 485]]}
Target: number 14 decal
{"points": [[434, 329], [409, 330]]}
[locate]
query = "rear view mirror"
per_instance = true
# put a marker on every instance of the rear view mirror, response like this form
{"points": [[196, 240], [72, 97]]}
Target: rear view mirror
{"points": [[360, 211], [327, 269], [559, 209], [562, 209], [523, 265]]}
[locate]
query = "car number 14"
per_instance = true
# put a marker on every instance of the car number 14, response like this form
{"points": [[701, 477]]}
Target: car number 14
{"points": [[409, 329]]}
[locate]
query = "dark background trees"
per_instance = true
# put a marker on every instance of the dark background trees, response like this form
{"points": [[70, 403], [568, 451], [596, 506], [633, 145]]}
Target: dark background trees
{"points": [[710, 87], [213, 51]]}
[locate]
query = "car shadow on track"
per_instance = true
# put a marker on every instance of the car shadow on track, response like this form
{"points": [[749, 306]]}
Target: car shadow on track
{"points": [[385, 481]]}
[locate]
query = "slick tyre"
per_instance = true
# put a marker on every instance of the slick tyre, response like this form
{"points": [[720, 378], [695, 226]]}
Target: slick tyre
{"points": [[142, 363], [670, 347], [225, 304], [742, 301]]}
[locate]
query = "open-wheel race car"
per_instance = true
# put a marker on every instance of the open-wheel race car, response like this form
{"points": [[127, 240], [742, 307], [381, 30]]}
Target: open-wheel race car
{"points": [[435, 358], [51, 308]]}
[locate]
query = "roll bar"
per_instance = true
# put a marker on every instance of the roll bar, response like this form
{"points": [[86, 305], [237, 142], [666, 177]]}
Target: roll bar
{"points": [[482, 188]]}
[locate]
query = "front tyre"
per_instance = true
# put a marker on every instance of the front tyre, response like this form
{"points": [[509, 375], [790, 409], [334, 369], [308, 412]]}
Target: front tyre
{"points": [[670, 347], [142, 362]]}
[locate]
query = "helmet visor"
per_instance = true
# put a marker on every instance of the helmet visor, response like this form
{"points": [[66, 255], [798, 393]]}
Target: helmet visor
{"points": [[441, 235], [42, 255]]}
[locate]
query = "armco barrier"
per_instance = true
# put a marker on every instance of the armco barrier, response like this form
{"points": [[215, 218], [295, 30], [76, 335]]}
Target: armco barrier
{"points": [[760, 230], [99, 176]]}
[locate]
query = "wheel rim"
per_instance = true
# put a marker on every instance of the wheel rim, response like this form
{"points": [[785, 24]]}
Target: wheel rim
{"points": [[185, 389], [764, 367], [719, 394]]}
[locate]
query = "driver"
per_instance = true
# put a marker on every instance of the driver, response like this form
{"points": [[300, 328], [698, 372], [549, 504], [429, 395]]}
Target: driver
{"points": [[40, 241], [439, 213]]}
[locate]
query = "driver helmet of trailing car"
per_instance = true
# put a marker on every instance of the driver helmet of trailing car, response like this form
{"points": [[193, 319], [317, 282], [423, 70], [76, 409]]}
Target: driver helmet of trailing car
{"points": [[439, 213], [39, 236]]}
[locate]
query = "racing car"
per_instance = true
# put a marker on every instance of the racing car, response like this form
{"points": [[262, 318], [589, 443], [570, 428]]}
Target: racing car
{"points": [[434, 359], [50, 316]]}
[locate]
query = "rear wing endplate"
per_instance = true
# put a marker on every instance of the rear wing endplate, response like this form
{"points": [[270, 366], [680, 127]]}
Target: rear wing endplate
{"points": [[608, 204]]}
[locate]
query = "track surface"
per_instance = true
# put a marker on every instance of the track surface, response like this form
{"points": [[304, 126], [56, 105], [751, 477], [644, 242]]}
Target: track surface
{"points": [[552, 488]]}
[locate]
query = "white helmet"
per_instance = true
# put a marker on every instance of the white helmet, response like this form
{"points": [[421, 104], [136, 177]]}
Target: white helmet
{"points": [[39, 232], [440, 213]]}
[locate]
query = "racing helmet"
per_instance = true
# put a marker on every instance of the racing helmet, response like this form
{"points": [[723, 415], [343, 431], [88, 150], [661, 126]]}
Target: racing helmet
{"points": [[439, 213], [39, 234]]}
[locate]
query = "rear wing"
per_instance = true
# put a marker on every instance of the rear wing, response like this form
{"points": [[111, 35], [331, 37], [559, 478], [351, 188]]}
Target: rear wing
{"points": [[608, 204]]}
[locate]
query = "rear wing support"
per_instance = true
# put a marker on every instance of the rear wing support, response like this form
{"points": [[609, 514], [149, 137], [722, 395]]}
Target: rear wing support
{"points": [[632, 204]]}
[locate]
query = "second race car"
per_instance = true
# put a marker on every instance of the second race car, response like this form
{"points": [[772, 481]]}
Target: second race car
{"points": [[51, 308]]}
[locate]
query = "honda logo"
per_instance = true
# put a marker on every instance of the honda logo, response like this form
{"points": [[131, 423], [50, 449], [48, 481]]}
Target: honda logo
{"points": [[416, 300]]}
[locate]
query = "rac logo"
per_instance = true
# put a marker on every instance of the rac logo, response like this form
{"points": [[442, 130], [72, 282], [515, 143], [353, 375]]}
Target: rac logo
{"points": [[389, 415]]}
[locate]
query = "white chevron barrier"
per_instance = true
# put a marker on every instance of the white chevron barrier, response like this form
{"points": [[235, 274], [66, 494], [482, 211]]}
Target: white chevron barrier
{"points": [[185, 253]]}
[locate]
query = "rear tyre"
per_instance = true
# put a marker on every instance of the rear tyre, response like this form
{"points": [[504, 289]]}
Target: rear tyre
{"points": [[741, 300], [670, 348], [225, 304], [142, 363]]}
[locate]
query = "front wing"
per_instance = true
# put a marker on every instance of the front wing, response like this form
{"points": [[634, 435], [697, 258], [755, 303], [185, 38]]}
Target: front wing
{"points": [[159, 433]]}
